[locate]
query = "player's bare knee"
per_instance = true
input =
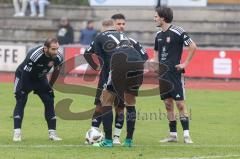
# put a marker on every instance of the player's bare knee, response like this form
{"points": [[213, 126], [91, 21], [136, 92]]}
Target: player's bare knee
{"points": [[169, 108], [181, 106], [169, 105]]}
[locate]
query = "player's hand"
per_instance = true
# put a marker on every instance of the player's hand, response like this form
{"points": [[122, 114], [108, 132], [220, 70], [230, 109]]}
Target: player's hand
{"points": [[181, 66], [153, 66], [98, 68]]}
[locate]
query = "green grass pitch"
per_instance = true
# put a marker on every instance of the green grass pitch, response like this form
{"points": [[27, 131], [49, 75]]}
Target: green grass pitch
{"points": [[214, 126]]}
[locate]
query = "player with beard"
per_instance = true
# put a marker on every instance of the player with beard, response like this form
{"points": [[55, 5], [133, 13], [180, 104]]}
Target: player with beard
{"points": [[31, 75]]}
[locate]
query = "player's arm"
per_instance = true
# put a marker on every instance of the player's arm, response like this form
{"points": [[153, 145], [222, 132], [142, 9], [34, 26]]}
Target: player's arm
{"points": [[57, 69], [140, 49], [27, 69], [191, 50], [32, 58], [156, 53], [88, 55], [154, 63], [54, 75], [155, 56]]}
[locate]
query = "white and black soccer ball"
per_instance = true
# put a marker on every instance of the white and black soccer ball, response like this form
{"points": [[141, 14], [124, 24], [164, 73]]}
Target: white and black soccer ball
{"points": [[94, 135]]}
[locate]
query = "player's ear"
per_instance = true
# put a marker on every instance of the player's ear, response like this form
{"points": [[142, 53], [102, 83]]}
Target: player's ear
{"points": [[45, 48]]}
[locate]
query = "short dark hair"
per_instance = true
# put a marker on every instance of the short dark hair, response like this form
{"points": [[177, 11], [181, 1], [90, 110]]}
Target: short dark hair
{"points": [[166, 13], [49, 41], [118, 16]]}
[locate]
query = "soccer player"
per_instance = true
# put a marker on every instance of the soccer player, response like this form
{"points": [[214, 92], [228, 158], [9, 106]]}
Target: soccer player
{"points": [[119, 25], [31, 75], [168, 51], [106, 45], [119, 22]]}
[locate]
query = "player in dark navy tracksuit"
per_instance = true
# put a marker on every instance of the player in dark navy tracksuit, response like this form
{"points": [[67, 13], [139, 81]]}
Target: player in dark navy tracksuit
{"points": [[31, 75]]}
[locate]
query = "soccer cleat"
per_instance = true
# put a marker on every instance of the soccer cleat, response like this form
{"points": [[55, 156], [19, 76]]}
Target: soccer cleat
{"points": [[53, 136], [104, 143], [171, 138], [116, 140], [127, 143], [17, 136], [188, 140]]}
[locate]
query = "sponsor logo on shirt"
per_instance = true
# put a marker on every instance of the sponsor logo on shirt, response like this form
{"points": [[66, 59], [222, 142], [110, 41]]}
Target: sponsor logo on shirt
{"points": [[50, 64], [168, 39]]}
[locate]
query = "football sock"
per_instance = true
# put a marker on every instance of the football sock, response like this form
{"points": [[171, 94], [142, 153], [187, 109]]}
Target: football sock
{"points": [[96, 119], [185, 123], [17, 130], [131, 119], [17, 122], [173, 127], [119, 120], [186, 133], [117, 132], [51, 122], [107, 118]]}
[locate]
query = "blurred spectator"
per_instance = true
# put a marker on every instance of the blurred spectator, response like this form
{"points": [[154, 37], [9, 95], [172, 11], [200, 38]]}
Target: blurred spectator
{"points": [[88, 34], [65, 34], [41, 4], [20, 11], [158, 3]]}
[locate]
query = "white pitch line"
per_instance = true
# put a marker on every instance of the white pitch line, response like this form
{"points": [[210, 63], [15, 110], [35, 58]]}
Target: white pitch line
{"points": [[40, 146], [189, 145], [204, 157], [18, 145]]}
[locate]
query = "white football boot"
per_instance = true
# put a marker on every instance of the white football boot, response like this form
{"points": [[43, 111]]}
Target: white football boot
{"points": [[53, 135], [17, 135], [188, 140], [116, 140], [170, 138]]}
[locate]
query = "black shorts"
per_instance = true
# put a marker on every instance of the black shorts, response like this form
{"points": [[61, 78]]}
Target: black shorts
{"points": [[171, 85], [126, 75], [37, 86], [130, 86]]}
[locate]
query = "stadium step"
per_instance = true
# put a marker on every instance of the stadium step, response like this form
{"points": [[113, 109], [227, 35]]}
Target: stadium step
{"points": [[207, 30]]}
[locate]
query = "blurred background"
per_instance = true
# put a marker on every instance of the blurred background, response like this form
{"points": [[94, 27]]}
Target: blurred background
{"points": [[213, 24]]}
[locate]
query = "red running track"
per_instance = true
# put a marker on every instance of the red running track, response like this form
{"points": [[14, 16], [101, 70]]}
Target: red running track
{"points": [[190, 83]]}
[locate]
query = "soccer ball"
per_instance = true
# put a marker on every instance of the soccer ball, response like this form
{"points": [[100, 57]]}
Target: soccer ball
{"points": [[94, 135]]}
